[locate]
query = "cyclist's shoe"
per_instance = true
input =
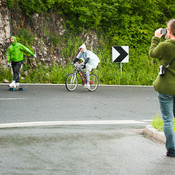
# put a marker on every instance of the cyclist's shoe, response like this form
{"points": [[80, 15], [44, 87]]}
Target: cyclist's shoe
{"points": [[88, 85], [85, 85]]}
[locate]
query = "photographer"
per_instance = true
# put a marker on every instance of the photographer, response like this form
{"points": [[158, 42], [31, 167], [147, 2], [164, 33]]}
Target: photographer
{"points": [[165, 81]]}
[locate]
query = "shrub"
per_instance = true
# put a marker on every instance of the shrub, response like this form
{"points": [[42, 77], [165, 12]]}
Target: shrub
{"points": [[117, 22]]}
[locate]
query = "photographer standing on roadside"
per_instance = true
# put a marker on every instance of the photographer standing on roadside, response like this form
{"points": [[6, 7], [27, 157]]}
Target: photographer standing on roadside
{"points": [[165, 81]]}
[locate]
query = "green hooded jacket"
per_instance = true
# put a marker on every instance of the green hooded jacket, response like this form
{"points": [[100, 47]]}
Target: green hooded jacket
{"points": [[165, 52], [15, 51]]}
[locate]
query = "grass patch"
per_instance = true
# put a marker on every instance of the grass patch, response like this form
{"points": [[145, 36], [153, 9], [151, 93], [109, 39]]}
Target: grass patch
{"points": [[157, 122]]}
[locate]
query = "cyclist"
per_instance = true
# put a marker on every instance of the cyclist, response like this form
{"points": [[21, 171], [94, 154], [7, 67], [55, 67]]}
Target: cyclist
{"points": [[90, 61]]}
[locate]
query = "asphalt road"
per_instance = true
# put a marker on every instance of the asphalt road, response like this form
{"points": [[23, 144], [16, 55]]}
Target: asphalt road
{"points": [[55, 103], [80, 149]]}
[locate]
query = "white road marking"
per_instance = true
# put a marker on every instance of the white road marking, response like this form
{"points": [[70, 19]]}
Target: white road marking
{"points": [[63, 123], [148, 120], [12, 98]]}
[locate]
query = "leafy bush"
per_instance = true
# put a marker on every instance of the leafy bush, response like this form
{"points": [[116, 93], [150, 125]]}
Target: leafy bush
{"points": [[117, 22], [5, 74], [25, 37], [55, 74]]}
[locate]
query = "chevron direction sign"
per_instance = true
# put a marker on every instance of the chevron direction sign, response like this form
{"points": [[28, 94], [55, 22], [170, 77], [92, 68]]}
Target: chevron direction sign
{"points": [[120, 54]]}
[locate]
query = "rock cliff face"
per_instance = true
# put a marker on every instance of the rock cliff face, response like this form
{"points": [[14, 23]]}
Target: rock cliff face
{"points": [[4, 32], [46, 29], [43, 27]]}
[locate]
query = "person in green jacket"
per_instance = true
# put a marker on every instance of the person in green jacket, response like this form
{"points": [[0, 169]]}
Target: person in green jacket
{"points": [[165, 85], [15, 56]]}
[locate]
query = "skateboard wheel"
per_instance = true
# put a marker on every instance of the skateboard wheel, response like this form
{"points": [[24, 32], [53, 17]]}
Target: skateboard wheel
{"points": [[21, 89], [11, 89]]}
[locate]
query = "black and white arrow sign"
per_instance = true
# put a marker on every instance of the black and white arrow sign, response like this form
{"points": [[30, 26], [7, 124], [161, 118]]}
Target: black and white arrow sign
{"points": [[120, 54]]}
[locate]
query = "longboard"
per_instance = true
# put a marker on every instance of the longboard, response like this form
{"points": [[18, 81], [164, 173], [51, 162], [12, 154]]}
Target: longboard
{"points": [[20, 88]]}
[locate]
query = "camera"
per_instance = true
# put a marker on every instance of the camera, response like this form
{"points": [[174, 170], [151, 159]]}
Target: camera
{"points": [[163, 31], [162, 70]]}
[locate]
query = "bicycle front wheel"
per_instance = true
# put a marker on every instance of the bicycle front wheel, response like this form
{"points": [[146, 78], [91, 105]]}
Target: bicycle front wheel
{"points": [[71, 82], [93, 82]]}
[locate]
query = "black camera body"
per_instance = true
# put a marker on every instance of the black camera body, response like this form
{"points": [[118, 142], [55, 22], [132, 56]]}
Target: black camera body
{"points": [[162, 70], [163, 31]]}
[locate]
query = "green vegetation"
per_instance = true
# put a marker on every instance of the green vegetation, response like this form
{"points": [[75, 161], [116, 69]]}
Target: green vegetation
{"points": [[116, 22], [5, 73], [157, 122], [54, 74], [25, 37]]}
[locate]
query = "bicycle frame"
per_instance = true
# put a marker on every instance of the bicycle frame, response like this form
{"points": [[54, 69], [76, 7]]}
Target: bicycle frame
{"points": [[82, 75]]}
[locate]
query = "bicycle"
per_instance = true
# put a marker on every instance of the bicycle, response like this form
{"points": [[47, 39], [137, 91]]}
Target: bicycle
{"points": [[72, 80]]}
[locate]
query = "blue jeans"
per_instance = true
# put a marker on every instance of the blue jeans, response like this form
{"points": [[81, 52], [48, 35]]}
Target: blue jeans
{"points": [[167, 111]]}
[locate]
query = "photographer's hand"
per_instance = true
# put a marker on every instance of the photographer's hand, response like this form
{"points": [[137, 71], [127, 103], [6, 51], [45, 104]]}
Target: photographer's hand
{"points": [[158, 33]]}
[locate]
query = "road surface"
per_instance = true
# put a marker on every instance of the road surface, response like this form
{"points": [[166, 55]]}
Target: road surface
{"points": [[89, 133]]}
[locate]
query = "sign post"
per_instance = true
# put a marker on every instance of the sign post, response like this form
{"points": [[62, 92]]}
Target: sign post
{"points": [[121, 68], [120, 54]]}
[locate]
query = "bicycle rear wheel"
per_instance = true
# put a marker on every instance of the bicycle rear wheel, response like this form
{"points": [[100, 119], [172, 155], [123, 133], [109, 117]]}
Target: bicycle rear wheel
{"points": [[93, 82], [71, 82]]}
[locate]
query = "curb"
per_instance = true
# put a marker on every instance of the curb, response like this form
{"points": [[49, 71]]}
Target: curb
{"points": [[66, 123], [154, 133], [102, 85]]}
